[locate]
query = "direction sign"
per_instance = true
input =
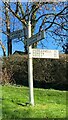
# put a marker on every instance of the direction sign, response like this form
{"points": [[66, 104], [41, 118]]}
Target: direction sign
{"points": [[35, 38], [43, 53], [18, 34]]}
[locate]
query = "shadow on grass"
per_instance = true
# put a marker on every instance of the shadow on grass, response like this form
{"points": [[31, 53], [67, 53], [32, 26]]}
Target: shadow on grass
{"points": [[17, 111], [23, 104]]}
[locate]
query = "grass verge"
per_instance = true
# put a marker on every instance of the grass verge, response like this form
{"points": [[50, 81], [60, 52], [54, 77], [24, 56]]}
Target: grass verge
{"points": [[49, 103]]}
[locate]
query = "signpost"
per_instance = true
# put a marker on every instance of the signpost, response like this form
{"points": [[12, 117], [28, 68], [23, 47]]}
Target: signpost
{"points": [[35, 38], [36, 53], [33, 53], [43, 53]]}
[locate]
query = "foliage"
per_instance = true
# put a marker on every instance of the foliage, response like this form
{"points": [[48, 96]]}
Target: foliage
{"points": [[65, 48], [16, 69], [47, 73], [49, 103]]}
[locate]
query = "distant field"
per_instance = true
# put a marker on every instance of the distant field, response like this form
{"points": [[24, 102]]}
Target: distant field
{"points": [[49, 103]]}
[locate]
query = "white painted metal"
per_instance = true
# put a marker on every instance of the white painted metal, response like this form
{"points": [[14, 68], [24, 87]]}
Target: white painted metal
{"points": [[17, 34], [30, 69], [35, 38], [43, 53]]}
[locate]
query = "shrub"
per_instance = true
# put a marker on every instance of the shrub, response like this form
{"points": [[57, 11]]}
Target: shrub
{"points": [[47, 73]]}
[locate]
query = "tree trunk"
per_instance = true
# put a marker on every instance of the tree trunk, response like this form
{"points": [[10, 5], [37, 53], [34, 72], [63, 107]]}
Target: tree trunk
{"points": [[9, 41], [3, 48]]}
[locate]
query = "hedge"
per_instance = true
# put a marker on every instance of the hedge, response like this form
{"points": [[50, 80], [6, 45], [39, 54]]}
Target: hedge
{"points": [[47, 73]]}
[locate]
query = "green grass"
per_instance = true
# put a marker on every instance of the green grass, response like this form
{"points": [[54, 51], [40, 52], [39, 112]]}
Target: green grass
{"points": [[49, 103]]}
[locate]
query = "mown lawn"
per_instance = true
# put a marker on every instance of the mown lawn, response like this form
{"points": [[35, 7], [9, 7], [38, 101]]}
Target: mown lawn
{"points": [[49, 103]]}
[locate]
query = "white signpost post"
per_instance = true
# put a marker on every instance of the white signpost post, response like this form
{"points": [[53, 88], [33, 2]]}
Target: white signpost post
{"points": [[30, 41], [30, 69]]}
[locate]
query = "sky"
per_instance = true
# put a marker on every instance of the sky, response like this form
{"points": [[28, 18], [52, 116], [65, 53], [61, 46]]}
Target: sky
{"points": [[49, 43]]}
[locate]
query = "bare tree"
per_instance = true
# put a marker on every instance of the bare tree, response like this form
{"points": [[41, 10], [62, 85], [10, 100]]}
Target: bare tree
{"points": [[48, 16], [9, 41]]}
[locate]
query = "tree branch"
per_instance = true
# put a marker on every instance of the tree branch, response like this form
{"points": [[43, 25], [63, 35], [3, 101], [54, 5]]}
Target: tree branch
{"points": [[53, 14], [57, 24], [16, 15], [53, 20]]}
